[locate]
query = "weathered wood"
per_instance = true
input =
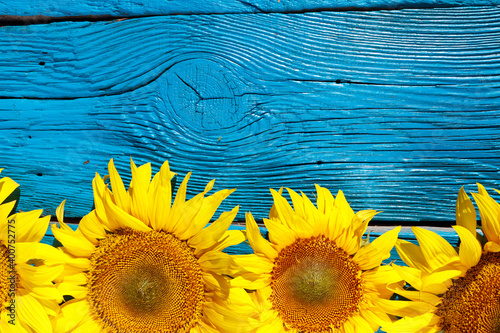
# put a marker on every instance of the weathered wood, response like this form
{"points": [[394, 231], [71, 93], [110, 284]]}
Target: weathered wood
{"points": [[124, 8], [398, 109]]}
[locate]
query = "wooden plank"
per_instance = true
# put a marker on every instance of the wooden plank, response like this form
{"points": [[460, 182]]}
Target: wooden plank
{"points": [[398, 109], [126, 8]]}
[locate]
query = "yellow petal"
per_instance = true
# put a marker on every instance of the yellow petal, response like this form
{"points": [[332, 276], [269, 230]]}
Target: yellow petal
{"points": [[184, 227], [6, 209], [60, 211], [325, 200], [99, 190], [71, 289], [470, 248], [298, 204], [254, 263], [489, 210], [7, 186], [32, 313], [91, 228], [209, 186], [381, 277], [345, 210], [230, 238], [226, 320], [88, 324], [5, 327], [349, 241], [119, 193], [122, 220], [436, 250], [218, 262], [138, 189], [411, 275], [417, 324], [72, 314], [317, 219], [492, 247], [279, 233], [482, 190], [283, 208], [375, 317], [216, 283], [78, 279], [204, 214], [41, 275], [465, 212], [176, 210], [416, 295], [361, 324], [438, 282], [296, 222], [162, 198], [257, 242], [30, 228], [7, 224], [412, 255], [273, 213], [404, 308], [251, 281], [372, 255], [75, 244], [49, 254], [213, 233]]}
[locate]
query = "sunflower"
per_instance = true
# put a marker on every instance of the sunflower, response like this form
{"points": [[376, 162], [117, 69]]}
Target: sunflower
{"points": [[454, 292], [150, 265], [29, 299], [314, 275]]}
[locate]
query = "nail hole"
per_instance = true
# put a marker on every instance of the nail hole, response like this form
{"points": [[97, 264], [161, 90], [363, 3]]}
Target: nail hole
{"points": [[39, 174], [42, 63], [338, 81], [319, 162]]}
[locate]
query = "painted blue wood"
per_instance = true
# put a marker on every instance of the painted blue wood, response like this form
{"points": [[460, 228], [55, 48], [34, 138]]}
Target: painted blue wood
{"points": [[124, 8], [398, 109]]}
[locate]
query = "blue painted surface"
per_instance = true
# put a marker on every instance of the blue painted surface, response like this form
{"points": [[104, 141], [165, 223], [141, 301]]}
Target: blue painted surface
{"points": [[124, 8], [398, 109]]}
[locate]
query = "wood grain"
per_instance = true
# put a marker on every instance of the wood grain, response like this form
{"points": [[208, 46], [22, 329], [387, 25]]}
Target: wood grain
{"points": [[43, 11], [398, 109]]}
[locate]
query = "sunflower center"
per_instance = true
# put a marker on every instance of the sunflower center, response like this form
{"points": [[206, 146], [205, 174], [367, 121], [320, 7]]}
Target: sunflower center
{"points": [[472, 304], [145, 282], [7, 279], [315, 285]]}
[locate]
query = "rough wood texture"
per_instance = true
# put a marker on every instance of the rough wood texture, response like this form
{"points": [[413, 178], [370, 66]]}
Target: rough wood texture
{"points": [[398, 109], [123, 8]]}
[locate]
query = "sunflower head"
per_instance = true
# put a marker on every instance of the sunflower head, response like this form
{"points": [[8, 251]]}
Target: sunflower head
{"points": [[151, 264], [314, 275], [454, 292], [28, 295]]}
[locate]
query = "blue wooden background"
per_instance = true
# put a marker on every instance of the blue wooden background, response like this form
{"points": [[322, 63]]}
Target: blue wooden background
{"points": [[397, 103]]}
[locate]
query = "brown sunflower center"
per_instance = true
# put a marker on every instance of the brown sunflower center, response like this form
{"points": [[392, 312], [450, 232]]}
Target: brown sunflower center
{"points": [[145, 282], [472, 304], [315, 285], [7, 278]]}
